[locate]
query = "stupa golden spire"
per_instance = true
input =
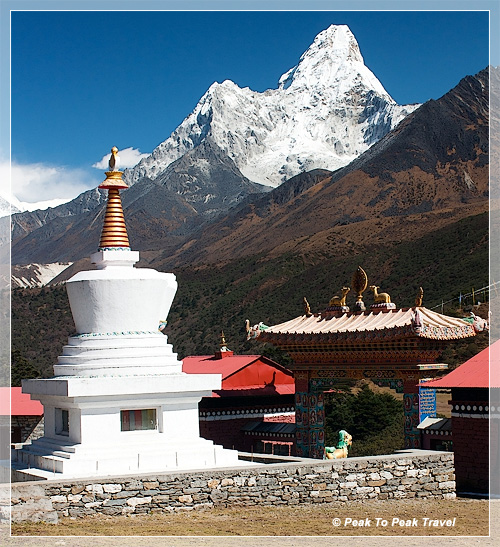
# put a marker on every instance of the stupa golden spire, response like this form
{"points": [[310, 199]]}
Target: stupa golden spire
{"points": [[114, 232]]}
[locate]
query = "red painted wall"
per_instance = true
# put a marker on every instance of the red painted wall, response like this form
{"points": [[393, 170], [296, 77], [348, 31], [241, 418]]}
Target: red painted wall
{"points": [[470, 446]]}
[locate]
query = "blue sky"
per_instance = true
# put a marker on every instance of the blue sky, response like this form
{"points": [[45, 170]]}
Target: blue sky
{"points": [[83, 81]]}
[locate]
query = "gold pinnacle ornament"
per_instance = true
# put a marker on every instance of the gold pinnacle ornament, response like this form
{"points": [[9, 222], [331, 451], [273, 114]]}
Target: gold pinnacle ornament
{"points": [[114, 232]]}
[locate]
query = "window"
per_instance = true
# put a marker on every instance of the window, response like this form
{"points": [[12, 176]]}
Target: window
{"points": [[62, 421], [138, 420]]}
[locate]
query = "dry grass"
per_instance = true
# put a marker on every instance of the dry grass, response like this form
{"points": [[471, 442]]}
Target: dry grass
{"points": [[471, 519]]}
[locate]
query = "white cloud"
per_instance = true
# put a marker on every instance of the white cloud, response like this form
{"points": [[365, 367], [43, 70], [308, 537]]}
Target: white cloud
{"points": [[38, 182], [39, 186], [129, 157]]}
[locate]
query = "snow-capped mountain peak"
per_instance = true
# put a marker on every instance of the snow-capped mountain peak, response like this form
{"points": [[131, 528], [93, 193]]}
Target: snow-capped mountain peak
{"points": [[326, 111], [333, 62]]}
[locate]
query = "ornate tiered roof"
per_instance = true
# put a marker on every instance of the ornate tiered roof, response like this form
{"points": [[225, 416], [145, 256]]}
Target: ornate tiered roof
{"points": [[384, 321], [373, 325]]}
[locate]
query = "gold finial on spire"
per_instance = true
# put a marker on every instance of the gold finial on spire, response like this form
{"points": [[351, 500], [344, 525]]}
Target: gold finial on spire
{"points": [[223, 350], [114, 160], [114, 232], [113, 176]]}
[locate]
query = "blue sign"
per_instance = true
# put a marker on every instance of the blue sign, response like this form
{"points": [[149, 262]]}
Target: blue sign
{"points": [[426, 403]]}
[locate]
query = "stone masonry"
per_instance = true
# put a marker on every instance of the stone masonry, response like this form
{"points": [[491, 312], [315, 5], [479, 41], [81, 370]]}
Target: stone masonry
{"points": [[412, 474], [26, 428]]}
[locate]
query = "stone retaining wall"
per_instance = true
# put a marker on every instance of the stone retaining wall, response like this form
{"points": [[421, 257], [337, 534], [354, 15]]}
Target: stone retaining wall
{"points": [[413, 474]]}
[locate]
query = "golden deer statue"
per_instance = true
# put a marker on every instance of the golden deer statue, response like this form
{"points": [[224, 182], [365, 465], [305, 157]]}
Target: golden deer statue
{"points": [[340, 300], [380, 298]]}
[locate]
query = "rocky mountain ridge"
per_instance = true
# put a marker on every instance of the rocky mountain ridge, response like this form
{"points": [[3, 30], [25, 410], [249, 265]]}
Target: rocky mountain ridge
{"points": [[427, 173]]}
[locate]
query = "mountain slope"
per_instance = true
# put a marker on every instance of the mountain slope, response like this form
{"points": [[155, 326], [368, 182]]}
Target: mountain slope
{"points": [[151, 212], [36, 275], [194, 188], [445, 262], [432, 168], [207, 179]]}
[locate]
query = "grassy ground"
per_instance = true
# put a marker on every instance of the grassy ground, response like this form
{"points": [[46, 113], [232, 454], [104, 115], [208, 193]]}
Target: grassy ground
{"points": [[469, 518]]}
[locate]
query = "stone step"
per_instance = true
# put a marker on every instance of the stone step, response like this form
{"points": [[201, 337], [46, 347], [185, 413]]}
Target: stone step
{"points": [[45, 446]]}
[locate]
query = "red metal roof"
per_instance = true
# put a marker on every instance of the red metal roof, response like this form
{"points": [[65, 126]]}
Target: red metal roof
{"points": [[243, 374], [252, 391], [20, 403], [476, 372], [208, 364]]}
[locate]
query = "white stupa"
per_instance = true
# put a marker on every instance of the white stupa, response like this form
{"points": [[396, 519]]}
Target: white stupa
{"points": [[119, 402]]}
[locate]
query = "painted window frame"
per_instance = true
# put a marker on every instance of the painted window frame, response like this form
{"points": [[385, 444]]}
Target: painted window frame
{"points": [[130, 418]]}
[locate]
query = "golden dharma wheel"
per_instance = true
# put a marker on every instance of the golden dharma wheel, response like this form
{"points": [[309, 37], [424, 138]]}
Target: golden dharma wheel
{"points": [[359, 282]]}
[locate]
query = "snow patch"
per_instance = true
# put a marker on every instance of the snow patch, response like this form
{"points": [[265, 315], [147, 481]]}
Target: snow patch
{"points": [[36, 275]]}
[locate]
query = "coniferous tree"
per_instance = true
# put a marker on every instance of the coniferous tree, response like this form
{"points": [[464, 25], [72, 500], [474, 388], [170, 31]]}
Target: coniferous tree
{"points": [[21, 369], [375, 421]]}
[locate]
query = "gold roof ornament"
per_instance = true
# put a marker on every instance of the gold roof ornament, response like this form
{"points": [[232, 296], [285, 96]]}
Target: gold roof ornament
{"points": [[380, 298], [339, 300], [307, 308], [114, 232], [359, 283], [420, 297], [222, 340]]}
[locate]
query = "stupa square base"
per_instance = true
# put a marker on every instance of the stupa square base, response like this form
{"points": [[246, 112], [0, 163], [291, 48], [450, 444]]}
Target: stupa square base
{"points": [[48, 459], [114, 425]]}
